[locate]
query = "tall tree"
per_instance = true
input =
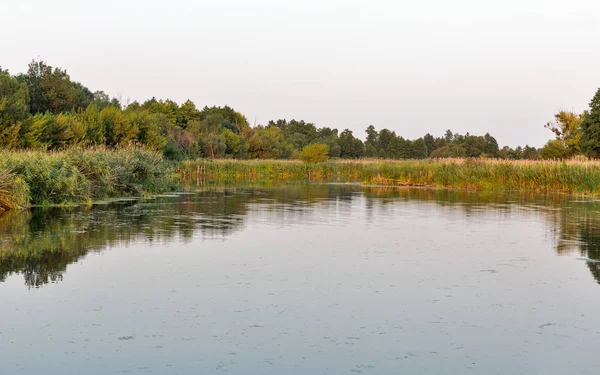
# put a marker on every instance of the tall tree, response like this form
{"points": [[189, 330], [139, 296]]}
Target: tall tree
{"points": [[567, 128], [590, 128], [51, 89], [351, 147], [371, 136], [14, 109]]}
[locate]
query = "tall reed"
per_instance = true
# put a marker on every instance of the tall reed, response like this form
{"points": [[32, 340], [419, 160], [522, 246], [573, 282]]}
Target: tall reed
{"points": [[79, 175], [574, 176]]}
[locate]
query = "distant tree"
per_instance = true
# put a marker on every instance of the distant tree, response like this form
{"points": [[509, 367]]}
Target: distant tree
{"points": [[235, 146], [567, 128], [530, 153], [554, 149], [14, 109], [94, 127], [491, 145], [269, 143], [350, 147], [418, 149], [430, 143], [118, 130], [590, 128], [448, 137], [449, 151], [149, 128], [214, 146], [315, 153], [370, 151], [51, 89], [474, 146], [398, 148], [372, 136], [384, 139], [186, 113]]}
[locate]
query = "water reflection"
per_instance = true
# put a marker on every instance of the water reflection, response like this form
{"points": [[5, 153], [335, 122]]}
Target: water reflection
{"points": [[41, 243]]}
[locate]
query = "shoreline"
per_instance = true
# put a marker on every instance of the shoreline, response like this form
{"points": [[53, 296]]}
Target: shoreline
{"points": [[80, 177]]}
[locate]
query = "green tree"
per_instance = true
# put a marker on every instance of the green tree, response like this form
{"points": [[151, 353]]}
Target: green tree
{"points": [[398, 148], [235, 146], [530, 153], [14, 109], [350, 147], [491, 145], [269, 143], [118, 129], [370, 151], [418, 149], [429, 143], [554, 149], [51, 89], [95, 133], [567, 128], [214, 146], [384, 138], [315, 153], [371, 137], [187, 112], [148, 127], [590, 128]]}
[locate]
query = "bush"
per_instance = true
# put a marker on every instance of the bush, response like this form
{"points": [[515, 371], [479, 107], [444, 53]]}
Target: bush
{"points": [[80, 175], [315, 153]]}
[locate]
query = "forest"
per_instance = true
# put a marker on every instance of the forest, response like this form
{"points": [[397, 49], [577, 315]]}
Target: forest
{"points": [[44, 109]]}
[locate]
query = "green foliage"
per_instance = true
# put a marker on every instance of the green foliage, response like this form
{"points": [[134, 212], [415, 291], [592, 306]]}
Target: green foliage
{"points": [[149, 128], [315, 153], [350, 147], [555, 149], [14, 100], [269, 143], [567, 128], [51, 89], [590, 128], [581, 177], [77, 175], [370, 151], [44, 109], [449, 151]]}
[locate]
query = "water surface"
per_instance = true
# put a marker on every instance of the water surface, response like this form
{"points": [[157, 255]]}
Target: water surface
{"points": [[314, 279]]}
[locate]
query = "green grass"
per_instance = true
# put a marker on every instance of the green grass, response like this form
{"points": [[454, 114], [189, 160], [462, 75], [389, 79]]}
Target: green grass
{"points": [[79, 175], [575, 176]]}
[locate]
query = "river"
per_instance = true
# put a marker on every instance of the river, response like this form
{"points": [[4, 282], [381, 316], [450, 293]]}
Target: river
{"points": [[303, 279]]}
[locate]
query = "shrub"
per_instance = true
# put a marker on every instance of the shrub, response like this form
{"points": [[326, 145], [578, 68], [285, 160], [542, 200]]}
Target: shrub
{"points": [[80, 175], [315, 153]]}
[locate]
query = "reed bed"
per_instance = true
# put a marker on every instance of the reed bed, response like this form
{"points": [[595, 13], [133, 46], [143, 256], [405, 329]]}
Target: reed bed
{"points": [[571, 176], [79, 175]]}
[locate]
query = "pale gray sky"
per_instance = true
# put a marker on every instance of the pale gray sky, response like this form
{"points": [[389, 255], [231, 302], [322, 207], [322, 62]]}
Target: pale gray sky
{"points": [[411, 66]]}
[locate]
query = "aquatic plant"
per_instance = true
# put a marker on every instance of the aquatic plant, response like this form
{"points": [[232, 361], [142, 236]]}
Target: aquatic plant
{"points": [[570, 176], [80, 175]]}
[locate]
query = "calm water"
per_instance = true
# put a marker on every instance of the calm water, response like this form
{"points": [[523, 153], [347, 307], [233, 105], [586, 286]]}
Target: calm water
{"points": [[321, 279]]}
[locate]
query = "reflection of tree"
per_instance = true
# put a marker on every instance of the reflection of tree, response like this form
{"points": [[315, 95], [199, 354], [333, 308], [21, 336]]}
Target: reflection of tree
{"points": [[590, 246], [41, 243]]}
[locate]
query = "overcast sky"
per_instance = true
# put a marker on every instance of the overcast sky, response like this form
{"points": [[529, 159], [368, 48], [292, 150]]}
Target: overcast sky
{"points": [[502, 67]]}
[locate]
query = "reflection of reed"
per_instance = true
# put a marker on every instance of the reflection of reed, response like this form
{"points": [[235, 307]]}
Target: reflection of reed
{"points": [[41, 243]]}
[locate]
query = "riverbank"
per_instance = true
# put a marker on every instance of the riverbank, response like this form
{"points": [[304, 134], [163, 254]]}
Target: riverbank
{"points": [[80, 175], [575, 176]]}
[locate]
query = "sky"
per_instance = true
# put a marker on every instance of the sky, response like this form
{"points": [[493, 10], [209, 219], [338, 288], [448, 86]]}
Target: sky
{"points": [[415, 67]]}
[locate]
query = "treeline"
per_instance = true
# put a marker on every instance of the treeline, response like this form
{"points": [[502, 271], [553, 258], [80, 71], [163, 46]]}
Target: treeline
{"points": [[43, 109]]}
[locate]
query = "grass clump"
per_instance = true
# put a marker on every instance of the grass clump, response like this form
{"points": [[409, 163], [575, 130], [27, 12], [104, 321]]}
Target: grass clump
{"points": [[79, 175]]}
